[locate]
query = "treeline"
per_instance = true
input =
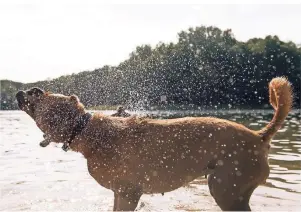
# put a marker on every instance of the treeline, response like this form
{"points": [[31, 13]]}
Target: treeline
{"points": [[8, 91], [206, 67]]}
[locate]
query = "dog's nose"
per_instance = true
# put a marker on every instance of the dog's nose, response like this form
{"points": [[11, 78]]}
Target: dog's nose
{"points": [[20, 94]]}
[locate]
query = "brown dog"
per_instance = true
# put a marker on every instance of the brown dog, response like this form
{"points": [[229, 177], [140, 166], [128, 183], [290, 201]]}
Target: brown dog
{"points": [[134, 156]]}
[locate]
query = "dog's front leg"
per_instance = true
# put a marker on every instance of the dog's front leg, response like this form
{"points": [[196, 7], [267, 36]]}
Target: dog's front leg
{"points": [[126, 200]]}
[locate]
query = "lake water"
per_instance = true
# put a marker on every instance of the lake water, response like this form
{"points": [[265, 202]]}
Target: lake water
{"points": [[34, 178]]}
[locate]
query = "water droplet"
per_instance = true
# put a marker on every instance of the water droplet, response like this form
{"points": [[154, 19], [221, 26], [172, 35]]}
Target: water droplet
{"points": [[238, 173]]}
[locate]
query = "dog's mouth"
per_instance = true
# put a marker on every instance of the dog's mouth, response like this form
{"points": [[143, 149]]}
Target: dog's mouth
{"points": [[44, 143]]}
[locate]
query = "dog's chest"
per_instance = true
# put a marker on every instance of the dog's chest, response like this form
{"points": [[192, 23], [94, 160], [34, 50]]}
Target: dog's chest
{"points": [[104, 172]]}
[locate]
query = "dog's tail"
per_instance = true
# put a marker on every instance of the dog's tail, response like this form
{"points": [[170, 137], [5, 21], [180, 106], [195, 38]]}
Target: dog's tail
{"points": [[281, 99]]}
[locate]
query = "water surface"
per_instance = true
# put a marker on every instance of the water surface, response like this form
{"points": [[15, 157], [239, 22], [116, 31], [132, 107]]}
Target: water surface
{"points": [[35, 178]]}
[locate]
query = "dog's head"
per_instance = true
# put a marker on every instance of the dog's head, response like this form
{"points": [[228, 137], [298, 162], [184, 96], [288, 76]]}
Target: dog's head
{"points": [[54, 114]]}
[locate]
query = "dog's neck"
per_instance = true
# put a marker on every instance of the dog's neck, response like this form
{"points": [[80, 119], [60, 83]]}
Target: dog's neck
{"points": [[99, 135], [80, 125]]}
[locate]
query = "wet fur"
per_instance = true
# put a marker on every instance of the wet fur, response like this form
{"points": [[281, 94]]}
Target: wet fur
{"points": [[133, 156]]}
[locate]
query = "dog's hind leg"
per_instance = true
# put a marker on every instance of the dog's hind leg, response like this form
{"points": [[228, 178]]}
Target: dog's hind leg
{"points": [[228, 195], [233, 183], [126, 200]]}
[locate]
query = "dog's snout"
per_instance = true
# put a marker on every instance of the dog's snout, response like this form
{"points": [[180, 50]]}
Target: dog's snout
{"points": [[20, 94]]}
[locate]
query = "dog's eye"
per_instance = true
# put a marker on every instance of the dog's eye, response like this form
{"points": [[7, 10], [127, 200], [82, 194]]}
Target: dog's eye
{"points": [[35, 91]]}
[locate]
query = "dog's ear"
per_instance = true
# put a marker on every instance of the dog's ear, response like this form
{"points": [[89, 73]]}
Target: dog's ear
{"points": [[36, 91], [74, 98]]}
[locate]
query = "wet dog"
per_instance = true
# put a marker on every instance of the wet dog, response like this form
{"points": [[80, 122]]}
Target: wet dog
{"points": [[133, 156]]}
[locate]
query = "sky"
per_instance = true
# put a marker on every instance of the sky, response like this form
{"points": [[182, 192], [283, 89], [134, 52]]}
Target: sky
{"points": [[46, 39]]}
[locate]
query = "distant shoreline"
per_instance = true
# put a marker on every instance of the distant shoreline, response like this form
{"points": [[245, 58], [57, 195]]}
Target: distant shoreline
{"points": [[207, 110]]}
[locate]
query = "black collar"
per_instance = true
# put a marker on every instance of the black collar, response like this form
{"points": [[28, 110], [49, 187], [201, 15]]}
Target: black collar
{"points": [[80, 125]]}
